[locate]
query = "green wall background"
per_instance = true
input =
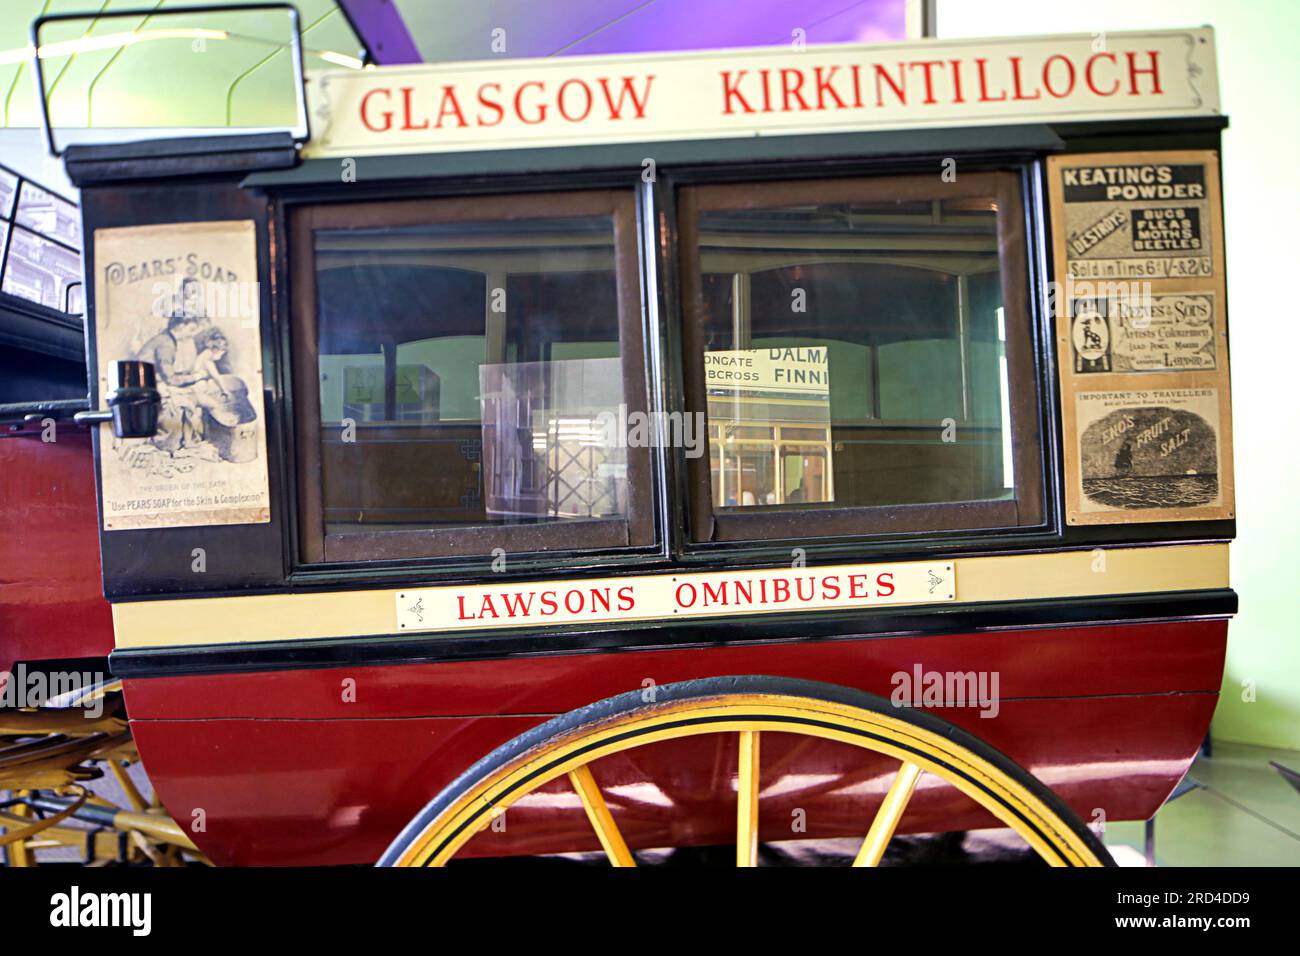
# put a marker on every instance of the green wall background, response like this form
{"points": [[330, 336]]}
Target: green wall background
{"points": [[1259, 76]]}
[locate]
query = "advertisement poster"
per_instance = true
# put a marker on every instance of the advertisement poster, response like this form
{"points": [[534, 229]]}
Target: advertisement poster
{"points": [[1158, 332], [1137, 220], [1141, 333], [184, 296], [1154, 449]]}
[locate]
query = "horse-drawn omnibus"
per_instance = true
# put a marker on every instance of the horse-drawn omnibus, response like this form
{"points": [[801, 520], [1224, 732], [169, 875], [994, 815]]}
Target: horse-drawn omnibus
{"points": [[624, 454]]}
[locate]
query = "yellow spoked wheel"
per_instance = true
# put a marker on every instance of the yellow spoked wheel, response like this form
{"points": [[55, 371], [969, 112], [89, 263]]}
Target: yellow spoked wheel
{"points": [[748, 708]]}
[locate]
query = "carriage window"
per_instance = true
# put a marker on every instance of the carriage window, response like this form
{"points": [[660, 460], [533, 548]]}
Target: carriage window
{"points": [[468, 360], [861, 351]]}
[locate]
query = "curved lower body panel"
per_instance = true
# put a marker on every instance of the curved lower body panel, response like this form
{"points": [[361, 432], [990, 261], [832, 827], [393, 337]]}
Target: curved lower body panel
{"points": [[321, 766]]}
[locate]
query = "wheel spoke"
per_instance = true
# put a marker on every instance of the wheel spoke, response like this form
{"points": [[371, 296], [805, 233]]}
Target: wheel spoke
{"points": [[747, 801], [887, 817], [602, 821]]}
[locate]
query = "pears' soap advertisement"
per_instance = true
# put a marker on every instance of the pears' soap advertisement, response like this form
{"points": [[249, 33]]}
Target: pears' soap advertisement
{"points": [[184, 297]]}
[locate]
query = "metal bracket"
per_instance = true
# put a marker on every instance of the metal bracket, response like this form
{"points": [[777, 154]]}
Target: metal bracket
{"points": [[301, 132]]}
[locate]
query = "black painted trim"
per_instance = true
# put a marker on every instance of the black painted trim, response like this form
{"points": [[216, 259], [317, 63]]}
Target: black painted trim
{"points": [[820, 147], [91, 165], [1001, 141], [33, 327], [659, 635]]}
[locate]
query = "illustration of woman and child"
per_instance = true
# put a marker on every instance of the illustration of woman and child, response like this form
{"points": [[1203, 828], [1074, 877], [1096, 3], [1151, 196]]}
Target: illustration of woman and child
{"points": [[205, 413]]}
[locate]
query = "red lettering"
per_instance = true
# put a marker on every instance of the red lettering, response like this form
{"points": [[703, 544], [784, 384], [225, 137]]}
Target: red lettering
{"points": [[812, 588], [386, 114], [568, 601], [746, 590], [449, 106], [715, 594], [519, 605], [601, 598], [854, 590], [928, 67], [626, 601], [956, 81], [981, 65], [460, 601], [519, 103], [731, 89], [885, 579], [1047, 75], [899, 88], [406, 110], [628, 90], [493, 105], [780, 591], [560, 100], [549, 605], [794, 89], [1015, 81], [678, 594], [1152, 71], [488, 608], [831, 585], [1087, 73], [824, 88]]}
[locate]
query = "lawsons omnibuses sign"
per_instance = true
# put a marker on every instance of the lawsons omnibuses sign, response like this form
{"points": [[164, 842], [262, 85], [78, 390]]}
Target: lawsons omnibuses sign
{"points": [[666, 597], [508, 104]]}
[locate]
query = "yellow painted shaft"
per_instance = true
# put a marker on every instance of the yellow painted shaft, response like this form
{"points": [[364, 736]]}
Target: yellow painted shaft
{"points": [[602, 821], [747, 801], [161, 828], [887, 817]]}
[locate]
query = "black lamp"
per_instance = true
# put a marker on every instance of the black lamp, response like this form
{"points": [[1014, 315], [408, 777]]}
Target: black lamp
{"points": [[133, 402]]}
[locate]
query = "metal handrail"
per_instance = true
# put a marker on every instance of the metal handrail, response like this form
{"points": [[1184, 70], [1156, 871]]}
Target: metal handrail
{"points": [[67, 295]]}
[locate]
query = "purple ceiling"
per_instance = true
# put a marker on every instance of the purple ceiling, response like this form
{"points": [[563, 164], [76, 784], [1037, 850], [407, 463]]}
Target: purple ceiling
{"points": [[630, 26], [379, 25]]}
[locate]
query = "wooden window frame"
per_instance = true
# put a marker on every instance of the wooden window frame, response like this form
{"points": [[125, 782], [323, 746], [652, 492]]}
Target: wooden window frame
{"points": [[318, 547], [1026, 510]]}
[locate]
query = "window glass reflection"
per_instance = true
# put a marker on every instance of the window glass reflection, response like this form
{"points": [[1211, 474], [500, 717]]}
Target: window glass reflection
{"points": [[39, 270], [49, 215], [854, 354], [470, 374]]}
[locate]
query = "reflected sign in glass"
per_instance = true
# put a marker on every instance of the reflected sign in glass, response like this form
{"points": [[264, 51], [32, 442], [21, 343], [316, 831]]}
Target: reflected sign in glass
{"points": [[769, 426]]}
